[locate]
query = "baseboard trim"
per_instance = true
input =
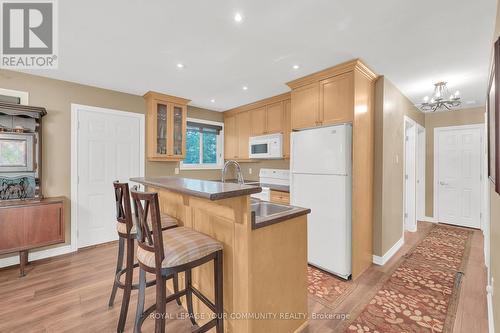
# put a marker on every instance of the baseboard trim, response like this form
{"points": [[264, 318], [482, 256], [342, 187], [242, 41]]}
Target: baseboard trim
{"points": [[377, 260], [489, 300], [428, 219], [37, 255]]}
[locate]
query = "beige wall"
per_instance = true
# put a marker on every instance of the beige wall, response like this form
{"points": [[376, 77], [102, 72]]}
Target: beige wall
{"points": [[56, 96], [390, 108], [495, 227], [443, 119]]}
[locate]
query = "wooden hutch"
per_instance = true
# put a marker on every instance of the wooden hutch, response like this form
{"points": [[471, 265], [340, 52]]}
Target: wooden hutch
{"points": [[27, 219]]}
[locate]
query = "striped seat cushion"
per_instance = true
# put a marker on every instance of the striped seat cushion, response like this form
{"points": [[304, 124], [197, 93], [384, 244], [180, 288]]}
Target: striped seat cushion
{"points": [[181, 245], [167, 221]]}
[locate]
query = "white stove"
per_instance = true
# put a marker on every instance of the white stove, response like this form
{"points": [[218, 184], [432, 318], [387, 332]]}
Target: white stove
{"points": [[271, 177]]}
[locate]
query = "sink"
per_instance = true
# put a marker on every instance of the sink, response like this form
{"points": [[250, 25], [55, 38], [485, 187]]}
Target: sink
{"points": [[265, 208]]}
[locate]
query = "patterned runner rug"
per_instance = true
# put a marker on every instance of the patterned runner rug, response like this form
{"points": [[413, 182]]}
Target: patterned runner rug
{"points": [[327, 289], [421, 293]]}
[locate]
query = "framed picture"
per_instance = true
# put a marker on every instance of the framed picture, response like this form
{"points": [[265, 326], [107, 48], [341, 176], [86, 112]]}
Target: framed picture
{"points": [[493, 107]]}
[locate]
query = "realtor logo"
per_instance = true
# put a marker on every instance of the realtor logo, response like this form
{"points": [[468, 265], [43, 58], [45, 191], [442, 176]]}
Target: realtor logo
{"points": [[29, 39]]}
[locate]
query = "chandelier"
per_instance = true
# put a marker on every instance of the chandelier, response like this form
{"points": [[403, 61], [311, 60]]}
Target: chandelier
{"points": [[439, 100]]}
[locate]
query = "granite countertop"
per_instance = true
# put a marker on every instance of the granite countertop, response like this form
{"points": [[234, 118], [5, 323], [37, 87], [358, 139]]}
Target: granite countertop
{"points": [[207, 189], [281, 188]]}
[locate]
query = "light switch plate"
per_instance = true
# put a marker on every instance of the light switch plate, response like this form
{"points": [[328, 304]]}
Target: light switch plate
{"points": [[176, 171]]}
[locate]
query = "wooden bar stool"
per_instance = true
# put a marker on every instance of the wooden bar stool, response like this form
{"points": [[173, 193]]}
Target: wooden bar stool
{"points": [[172, 251], [126, 228]]}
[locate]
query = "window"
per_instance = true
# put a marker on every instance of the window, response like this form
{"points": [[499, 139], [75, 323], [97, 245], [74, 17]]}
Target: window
{"points": [[204, 145], [13, 96]]}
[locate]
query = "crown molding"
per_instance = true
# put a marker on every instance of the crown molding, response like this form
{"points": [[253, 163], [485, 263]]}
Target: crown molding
{"points": [[259, 104], [165, 97], [349, 66]]}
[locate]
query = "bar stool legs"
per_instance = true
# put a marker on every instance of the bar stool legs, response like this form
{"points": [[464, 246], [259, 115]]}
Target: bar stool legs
{"points": [[128, 285], [218, 281], [119, 266], [140, 300]]}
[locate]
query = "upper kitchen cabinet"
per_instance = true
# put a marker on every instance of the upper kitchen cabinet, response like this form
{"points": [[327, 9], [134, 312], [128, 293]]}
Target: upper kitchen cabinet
{"points": [[243, 126], [258, 121], [305, 106], [230, 137], [323, 98], [268, 116], [336, 99], [275, 118], [237, 133], [288, 127], [166, 120], [267, 119]]}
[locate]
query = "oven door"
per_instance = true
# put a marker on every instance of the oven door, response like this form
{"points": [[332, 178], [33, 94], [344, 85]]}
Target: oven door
{"points": [[16, 152]]}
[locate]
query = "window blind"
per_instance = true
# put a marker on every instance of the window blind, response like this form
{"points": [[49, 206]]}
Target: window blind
{"points": [[203, 128]]}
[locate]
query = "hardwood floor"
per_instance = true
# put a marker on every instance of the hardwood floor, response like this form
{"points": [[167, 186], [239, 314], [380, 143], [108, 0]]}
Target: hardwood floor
{"points": [[70, 294]]}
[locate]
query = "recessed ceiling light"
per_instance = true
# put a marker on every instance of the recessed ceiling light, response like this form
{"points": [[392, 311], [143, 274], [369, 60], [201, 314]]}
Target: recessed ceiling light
{"points": [[295, 66], [212, 100], [245, 88], [179, 65], [238, 17]]}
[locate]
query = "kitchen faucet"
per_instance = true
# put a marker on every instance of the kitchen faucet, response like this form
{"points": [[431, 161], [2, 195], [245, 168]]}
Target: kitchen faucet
{"points": [[238, 171]]}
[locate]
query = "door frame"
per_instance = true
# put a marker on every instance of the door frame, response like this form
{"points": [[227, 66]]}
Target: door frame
{"points": [[75, 111], [437, 130], [413, 123], [421, 151]]}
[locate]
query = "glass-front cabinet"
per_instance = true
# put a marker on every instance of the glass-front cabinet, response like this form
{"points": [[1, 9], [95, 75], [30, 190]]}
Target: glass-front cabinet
{"points": [[165, 127]]}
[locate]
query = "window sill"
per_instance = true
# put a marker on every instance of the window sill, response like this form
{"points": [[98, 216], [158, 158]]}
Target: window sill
{"points": [[200, 167]]}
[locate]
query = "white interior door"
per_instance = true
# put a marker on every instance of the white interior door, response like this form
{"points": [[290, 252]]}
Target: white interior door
{"points": [[458, 175], [110, 147], [410, 177], [421, 140]]}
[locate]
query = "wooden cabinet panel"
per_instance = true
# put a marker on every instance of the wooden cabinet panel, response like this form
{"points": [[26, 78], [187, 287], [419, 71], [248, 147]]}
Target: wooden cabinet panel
{"points": [[305, 106], [178, 127], [258, 121], [287, 127], [274, 118], [166, 123], [43, 224], [29, 224], [243, 133], [280, 197], [11, 229], [230, 138], [337, 99]]}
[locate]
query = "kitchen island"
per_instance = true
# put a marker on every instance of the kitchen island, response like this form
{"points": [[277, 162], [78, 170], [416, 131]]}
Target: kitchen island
{"points": [[265, 252]]}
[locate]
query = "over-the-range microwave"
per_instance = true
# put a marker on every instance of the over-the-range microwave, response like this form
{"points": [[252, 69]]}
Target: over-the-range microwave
{"points": [[266, 146]]}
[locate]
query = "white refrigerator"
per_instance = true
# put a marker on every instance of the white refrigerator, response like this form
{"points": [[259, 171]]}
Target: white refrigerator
{"points": [[320, 170]]}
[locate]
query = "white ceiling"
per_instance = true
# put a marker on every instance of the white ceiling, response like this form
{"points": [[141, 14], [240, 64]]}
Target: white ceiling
{"points": [[134, 45]]}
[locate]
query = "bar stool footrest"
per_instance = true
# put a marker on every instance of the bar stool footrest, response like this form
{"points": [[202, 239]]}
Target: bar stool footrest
{"points": [[135, 286]]}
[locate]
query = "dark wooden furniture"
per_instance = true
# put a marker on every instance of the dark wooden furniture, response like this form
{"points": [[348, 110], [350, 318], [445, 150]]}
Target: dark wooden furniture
{"points": [[126, 228], [25, 225], [169, 252], [30, 119]]}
